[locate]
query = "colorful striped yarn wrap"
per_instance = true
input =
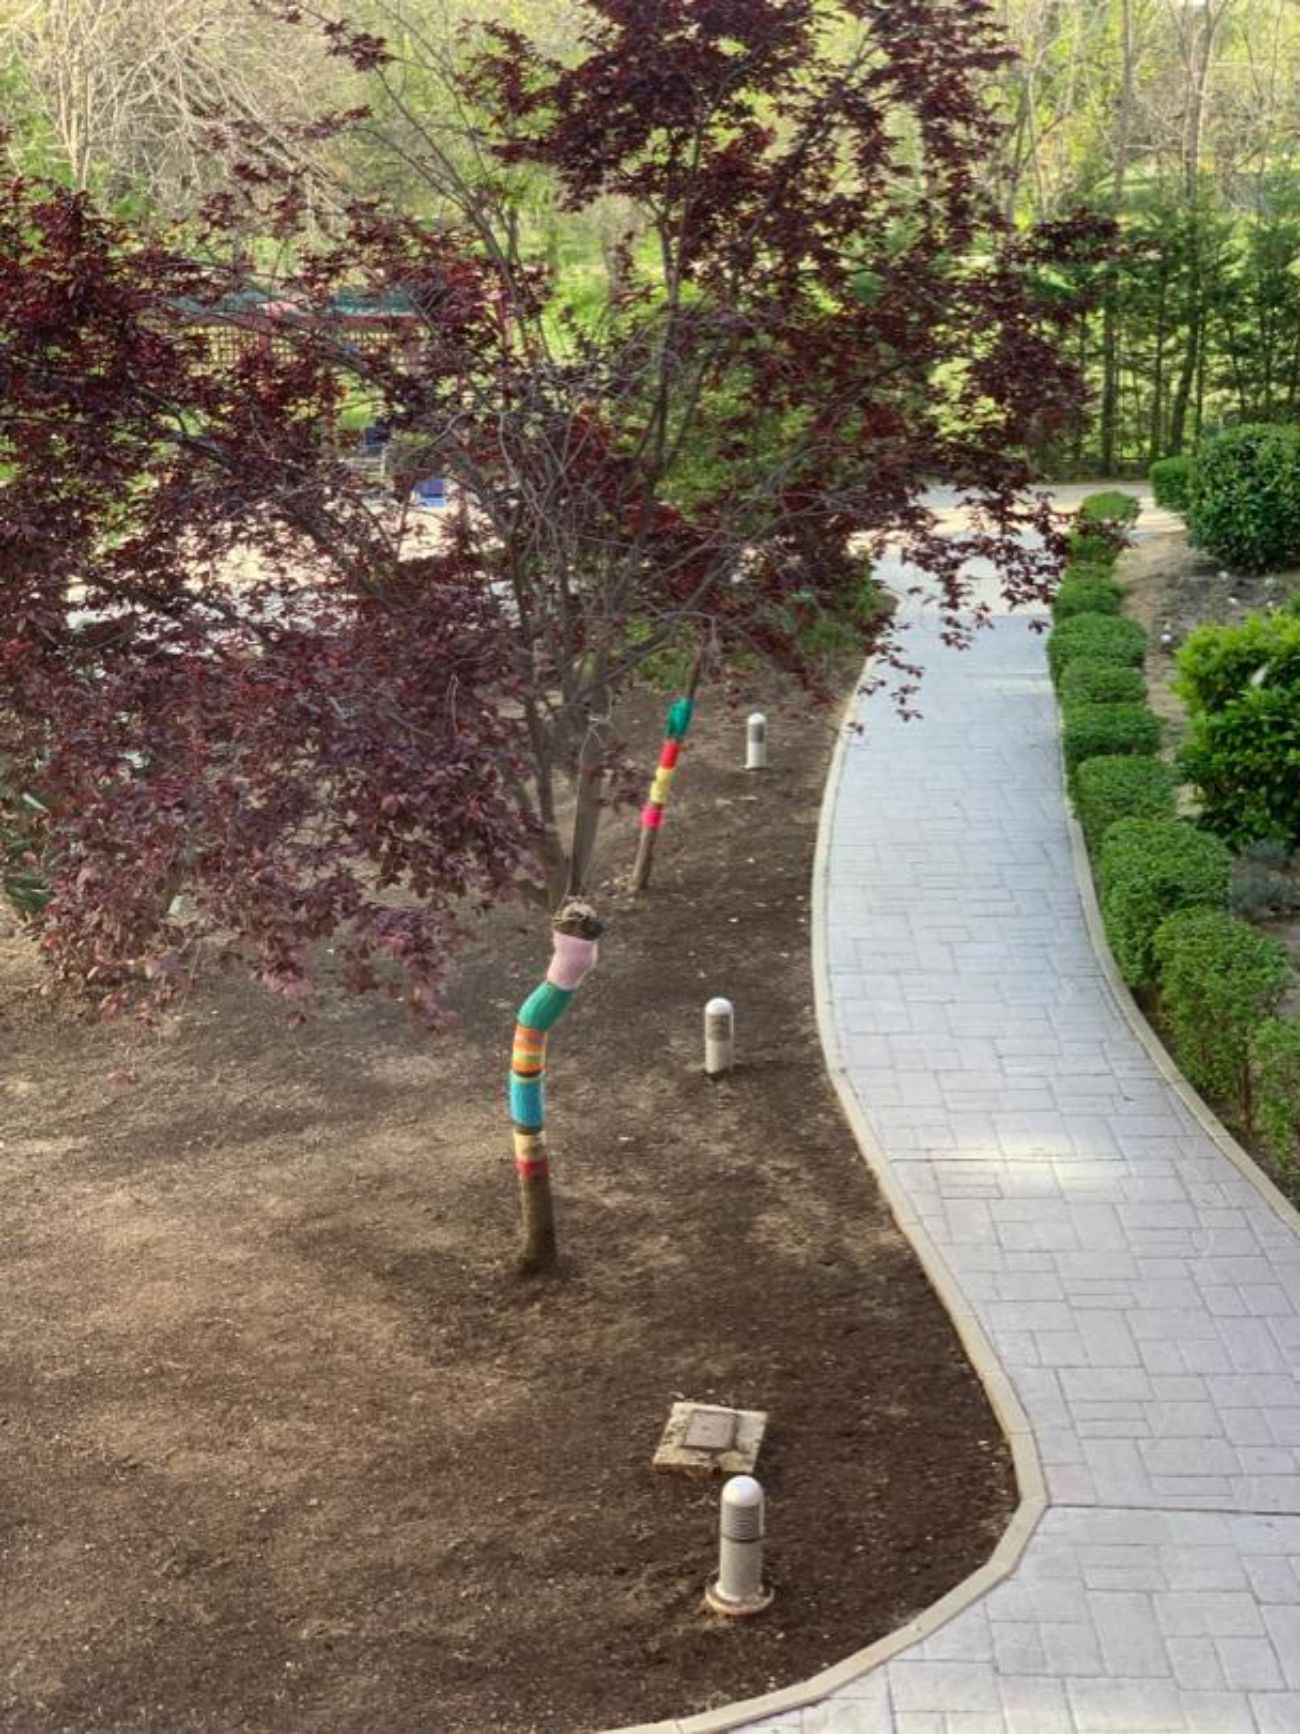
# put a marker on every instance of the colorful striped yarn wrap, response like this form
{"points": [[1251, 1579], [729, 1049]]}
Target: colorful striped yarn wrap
{"points": [[531, 1159], [573, 958], [681, 713], [678, 726]]}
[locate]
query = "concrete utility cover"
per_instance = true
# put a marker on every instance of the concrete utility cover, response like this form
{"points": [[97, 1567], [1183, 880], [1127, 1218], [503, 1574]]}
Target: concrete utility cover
{"points": [[711, 1430], [703, 1438]]}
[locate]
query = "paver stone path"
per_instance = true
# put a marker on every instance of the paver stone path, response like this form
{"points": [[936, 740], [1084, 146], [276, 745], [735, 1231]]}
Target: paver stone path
{"points": [[1141, 1293]]}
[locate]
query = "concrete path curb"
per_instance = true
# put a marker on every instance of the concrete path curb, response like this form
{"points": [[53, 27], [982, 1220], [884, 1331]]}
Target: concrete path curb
{"points": [[1125, 1280]]}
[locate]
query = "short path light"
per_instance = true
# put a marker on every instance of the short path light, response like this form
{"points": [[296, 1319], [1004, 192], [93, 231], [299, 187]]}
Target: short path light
{"points": [[719, 1037], [739, 1588], [756, 742]]}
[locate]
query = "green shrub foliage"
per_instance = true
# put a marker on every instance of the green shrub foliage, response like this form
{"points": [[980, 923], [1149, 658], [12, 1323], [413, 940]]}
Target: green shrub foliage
{"points": [[1110, 507], [1086, 681], [1091, 731], [1171, 483], [1113, 788], [1096, 546], [1244, 503], [1091, 595], [1275, 1076], [1241, 685], [22, 883], [1100, 637], [1220, 663], [1150, 869], [1220, 979]]}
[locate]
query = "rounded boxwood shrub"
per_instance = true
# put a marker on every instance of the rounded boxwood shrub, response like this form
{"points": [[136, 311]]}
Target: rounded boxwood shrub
{"points": [[1241, 685], [1275, 1079], [1244, 762], [1171, 482], [1244, 504], [1220, 978], [1091, 595], [1111, 788], [1150, 869], [1102, 637], [1087, 681], [1219, 663], [1089, 731]]}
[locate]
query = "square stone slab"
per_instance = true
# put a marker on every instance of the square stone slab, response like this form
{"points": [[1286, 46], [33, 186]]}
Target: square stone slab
{"points": [[703, 1439]]}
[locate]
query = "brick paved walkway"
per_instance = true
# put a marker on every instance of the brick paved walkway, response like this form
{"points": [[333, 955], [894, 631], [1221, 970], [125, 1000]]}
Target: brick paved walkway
{"points": [[1142, 1295]]}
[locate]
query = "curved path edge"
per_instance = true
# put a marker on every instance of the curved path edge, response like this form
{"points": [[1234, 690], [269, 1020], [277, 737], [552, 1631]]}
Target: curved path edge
{"points": [[990, 1371], [1162, 1059], [997, 1381]]}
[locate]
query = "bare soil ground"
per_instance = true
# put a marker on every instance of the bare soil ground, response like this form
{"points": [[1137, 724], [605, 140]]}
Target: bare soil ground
{"points": [[285, 1445]]}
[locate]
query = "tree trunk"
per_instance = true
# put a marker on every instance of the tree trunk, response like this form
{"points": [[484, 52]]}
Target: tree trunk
{"points": [[1110, 327], [1190, 362], [575, 933]]}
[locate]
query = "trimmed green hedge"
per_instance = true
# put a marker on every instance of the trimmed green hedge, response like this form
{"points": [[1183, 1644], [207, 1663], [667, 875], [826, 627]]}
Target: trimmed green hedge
{"points": [[1150, 869], [1087, 681], [1110, 507], [1101, 637], [1090, 595], [1244, 505], [1275, 1070], [1091, 731], [1171, 483], [1109, 789], [1093, 548], [1220, 978]]}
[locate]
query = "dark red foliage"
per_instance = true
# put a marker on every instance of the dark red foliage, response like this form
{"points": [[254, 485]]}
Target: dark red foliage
{"points": [[815, 314], [224, 715]]}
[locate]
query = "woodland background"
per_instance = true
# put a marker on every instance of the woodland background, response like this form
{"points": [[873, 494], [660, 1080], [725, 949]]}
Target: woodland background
{"points": [[1179, 116]]}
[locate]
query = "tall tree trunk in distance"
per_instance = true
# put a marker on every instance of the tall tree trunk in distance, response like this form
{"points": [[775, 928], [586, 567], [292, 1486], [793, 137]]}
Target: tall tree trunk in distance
{"points": [[1190, 359], [1204, 29], [1156, 443], [1110, 327]]}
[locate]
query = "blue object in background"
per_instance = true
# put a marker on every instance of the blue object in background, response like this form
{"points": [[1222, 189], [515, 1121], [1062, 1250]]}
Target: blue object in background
{"points": [[430, 493]]}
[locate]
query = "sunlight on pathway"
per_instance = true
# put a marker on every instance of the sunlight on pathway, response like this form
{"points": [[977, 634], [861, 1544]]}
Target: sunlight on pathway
{"points": [[1142, 1295]]}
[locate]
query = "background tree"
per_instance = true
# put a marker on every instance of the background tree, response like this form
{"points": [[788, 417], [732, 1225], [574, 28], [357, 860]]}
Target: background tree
{"points": [[126, 96]]}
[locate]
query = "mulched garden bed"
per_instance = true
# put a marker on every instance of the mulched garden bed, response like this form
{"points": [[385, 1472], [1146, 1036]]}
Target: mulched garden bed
{"points": [[286, 1445]]}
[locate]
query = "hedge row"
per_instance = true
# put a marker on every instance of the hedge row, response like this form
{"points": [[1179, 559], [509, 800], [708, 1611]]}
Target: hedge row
{"points": [[1089, 681], [1108, 789], [1220, 980], [1110, 507], [1086, 595], [1275, 1078], [1149, 869], [1100, 637], [1091, 731], [1163, 882]]}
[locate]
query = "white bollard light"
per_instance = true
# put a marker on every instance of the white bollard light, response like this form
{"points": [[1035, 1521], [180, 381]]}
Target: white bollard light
{"points": [[756, 742], [719, 1037], [739, 1588]]}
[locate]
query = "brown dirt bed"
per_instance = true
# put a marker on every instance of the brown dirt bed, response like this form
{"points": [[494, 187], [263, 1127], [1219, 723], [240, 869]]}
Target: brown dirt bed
{"points": [[284, 1445]]}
